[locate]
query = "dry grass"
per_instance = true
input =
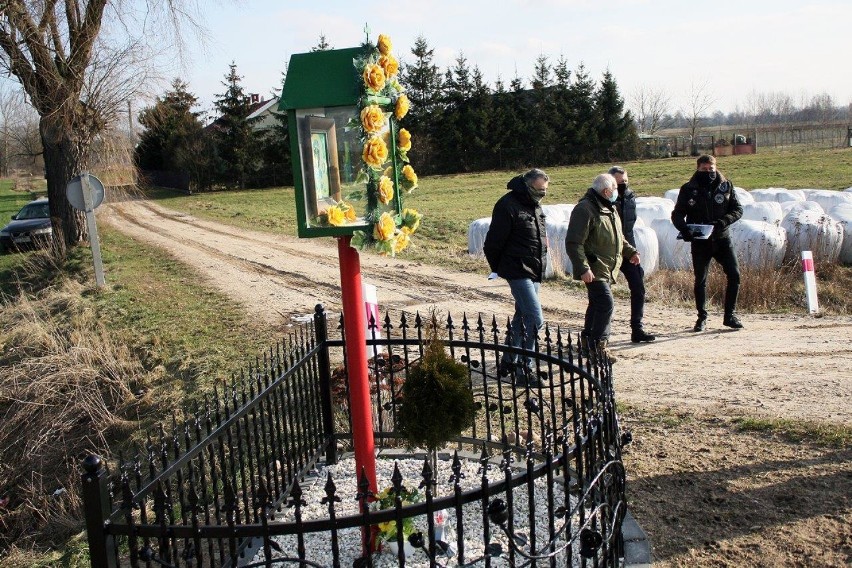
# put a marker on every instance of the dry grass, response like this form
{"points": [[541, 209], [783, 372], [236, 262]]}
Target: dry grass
{"points": [[67, 388], [761, 289]]}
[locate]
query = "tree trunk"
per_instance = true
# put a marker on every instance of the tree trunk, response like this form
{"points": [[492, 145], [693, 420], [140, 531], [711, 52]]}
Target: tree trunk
{"points": [[62, 161]]}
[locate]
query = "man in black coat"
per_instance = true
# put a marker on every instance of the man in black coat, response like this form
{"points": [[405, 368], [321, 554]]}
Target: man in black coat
{"points": [[516, 249], [709, 199], [633, 273]]}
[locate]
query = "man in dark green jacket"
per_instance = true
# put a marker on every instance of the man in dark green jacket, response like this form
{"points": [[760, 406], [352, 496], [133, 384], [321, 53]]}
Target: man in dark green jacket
{"points": [[595, 243]]}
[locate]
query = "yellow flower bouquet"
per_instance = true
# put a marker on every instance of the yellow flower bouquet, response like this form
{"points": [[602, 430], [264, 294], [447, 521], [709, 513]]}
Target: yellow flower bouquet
{"points": [[386, 499], [385, 170]]}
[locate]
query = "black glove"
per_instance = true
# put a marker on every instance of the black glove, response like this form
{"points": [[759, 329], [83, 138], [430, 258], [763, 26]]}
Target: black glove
{"points": [[686, 235], [718, 226]]}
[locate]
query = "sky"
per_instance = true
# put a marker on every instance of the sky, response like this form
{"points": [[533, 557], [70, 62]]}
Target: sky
{"points": [[735, 48]]}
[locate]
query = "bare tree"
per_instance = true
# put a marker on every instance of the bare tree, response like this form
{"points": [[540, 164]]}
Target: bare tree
{"points": [[20, 146], [699, 101], [78, 62], [650, 106]]}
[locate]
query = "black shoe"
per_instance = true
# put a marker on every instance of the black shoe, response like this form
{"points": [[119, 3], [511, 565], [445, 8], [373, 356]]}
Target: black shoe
{"points": [[700, 324], [639, 335], [733, 321]]}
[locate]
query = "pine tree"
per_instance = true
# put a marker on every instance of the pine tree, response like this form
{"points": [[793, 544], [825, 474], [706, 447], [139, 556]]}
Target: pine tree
{"points": [[616, 130], [235, 140], [583, 141], [322, 44], [541, 131], [456, 124], [274, 145], [564, 127], [173, 138], [422, 80]]}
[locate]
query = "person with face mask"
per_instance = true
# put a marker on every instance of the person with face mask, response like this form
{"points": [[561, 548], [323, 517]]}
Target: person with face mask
{"points": [[516, 249], [596, 245], [633, 273], [708, 198]]}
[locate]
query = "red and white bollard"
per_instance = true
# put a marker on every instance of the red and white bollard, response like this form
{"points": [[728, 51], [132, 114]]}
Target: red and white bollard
{"points": [[810, 281]]}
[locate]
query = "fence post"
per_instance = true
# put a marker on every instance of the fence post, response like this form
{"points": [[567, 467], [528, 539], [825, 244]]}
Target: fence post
{"points": [[324, 362], [96, 508]]}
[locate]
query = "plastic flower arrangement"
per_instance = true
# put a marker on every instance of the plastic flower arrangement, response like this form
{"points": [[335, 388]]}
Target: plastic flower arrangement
{"points": [[386, 499], [384, 157]]}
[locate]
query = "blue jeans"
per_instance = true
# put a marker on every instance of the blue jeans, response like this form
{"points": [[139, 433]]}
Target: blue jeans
{"points": [[528, 318]]}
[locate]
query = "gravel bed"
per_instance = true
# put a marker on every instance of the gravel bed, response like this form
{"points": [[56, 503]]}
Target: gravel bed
{"points": [[318, 545]]}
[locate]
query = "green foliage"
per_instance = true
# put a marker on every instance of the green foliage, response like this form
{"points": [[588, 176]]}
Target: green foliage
{"points": [[235, 140], [437, 402]]}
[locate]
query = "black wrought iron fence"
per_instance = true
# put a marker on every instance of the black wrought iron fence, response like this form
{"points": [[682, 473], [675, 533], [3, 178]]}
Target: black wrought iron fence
{"points": [[250, 479]]}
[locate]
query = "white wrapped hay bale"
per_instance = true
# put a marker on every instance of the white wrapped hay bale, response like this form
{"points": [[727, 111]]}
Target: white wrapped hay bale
{"points": [[558, 212], [639, 223], [743, 196], [476, 236], [672, 194], [648, 247], [789, 207], [558, 263], [765, 211], [818, 233], [759, 244], [843, 214], [651, 208], [778, 194], [828, 198], [674, 253]]}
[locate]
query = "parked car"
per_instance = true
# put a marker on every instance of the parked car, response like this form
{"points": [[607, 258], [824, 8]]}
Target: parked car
{"points": [[30, 228]]}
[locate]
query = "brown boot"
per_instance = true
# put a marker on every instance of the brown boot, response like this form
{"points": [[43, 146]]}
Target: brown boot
{"points": [[606, 351]]}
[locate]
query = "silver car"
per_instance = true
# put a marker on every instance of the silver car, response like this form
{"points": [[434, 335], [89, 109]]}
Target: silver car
{"points": [[30, 228]]}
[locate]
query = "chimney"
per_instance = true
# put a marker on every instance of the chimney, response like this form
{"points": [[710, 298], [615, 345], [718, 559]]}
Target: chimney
{"points": [[255, 98]]}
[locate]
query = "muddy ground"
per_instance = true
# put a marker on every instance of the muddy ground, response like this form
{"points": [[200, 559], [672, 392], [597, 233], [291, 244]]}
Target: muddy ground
{"points": [[706, 491]]}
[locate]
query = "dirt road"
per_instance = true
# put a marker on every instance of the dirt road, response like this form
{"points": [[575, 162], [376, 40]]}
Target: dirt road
{"points": [[783, 366], [707, 492]]}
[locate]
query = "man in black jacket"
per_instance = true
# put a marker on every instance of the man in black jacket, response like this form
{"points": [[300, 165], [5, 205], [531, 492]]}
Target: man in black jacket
{"points": [[709, 199], [633, 273], [516, 249]]}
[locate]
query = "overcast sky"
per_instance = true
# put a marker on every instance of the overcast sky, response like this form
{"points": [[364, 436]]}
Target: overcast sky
{"points": [[797, 47]]}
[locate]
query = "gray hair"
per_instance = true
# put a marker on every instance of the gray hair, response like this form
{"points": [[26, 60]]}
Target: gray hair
{"points": [[616, 170], [602, 182], [535, 174]]}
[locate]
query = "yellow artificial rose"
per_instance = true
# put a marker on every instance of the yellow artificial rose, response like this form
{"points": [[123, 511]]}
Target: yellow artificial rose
{"points": [[389, 64], [375, 152], [401, 242], [403, 140], [349, 214], [335, 216], [372, 118], [384, 228], [384, 44], [402, 105], [385, 189], [374, 77], [409, 174], [410, 219]]}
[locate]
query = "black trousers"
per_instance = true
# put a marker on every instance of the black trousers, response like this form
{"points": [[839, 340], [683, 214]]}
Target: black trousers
{"points": [[599, 312], [722, 250], [635, 276]]}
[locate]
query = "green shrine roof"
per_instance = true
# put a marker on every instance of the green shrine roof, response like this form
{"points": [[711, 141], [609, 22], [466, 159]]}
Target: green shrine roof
{"points": [[321, 79]]}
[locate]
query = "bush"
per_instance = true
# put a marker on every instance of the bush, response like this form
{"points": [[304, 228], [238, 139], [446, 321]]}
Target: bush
{"points": [[437, 402]]}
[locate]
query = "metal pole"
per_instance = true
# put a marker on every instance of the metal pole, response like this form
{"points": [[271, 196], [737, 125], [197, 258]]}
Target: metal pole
{"points": [[321, 327], [96, 509], [93, 229], [355, 324]]}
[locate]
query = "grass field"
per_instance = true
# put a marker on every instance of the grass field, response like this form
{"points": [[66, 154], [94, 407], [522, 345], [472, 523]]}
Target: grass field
{"points": [[449, 203], [185, 337]]}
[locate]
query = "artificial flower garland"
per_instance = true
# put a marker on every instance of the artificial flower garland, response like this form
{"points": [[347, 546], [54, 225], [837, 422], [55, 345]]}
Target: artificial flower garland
{"points": [[382, 97]]}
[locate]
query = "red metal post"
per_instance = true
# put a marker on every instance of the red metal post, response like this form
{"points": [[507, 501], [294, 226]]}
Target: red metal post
{"points": [[355, 324]]}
